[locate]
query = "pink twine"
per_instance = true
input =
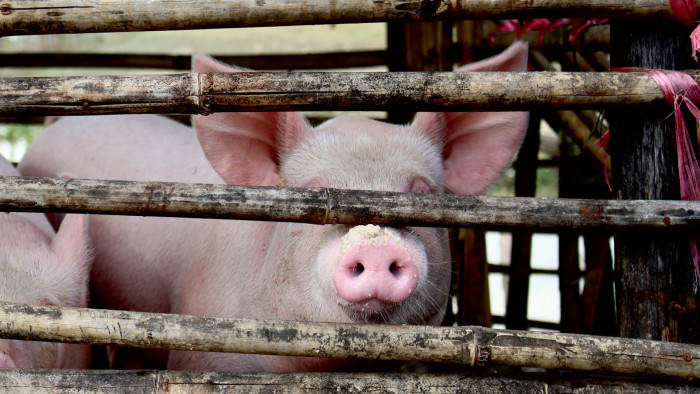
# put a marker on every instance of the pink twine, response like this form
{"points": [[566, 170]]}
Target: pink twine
{"points": [[681, 89], [603, 142], [687, 13], [579, 28]]}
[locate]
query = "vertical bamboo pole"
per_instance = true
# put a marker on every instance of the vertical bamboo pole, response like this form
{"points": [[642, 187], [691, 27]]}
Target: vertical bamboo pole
{"points": [[655, 298], [472, 278], [471, 269], [598, 295], [570, 180], [519, 272]]}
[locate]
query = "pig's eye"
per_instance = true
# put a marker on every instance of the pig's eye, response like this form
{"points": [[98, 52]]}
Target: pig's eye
{"points": [[418, 185]]}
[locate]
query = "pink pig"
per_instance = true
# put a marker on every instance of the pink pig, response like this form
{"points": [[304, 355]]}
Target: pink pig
{"points": [[288, 271], [41, 267]]}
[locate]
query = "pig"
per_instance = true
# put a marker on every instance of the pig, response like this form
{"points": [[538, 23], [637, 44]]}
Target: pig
{"points": [[285, 271], [41, 267]]}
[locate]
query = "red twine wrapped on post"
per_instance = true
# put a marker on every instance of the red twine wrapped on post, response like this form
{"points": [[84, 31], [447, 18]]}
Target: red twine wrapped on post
{"points": [[687, 13], [680, 89]]}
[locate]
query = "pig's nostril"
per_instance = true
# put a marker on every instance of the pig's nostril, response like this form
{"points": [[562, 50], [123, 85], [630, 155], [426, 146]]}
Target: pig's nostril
{"points": [[358, 269], [395, 269]]}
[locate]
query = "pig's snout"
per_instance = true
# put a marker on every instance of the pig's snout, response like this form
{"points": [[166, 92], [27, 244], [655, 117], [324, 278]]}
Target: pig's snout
{"points": [[382, 271]]}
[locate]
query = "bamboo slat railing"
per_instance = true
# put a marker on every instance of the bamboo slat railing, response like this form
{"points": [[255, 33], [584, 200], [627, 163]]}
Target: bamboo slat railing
{"points": [[18, 381], [275, 91], [22, 17], [333, 206], [467, 345]]}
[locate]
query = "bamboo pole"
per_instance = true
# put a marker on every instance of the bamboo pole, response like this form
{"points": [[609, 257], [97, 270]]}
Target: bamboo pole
{"points": [[468, 345], [17, 381], [275, 91], [22, 17], [595, 38], [333, 206]]}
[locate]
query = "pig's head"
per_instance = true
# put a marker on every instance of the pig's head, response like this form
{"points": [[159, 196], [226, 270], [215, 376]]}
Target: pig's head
{"points": [[343, 273], [36, 269]]}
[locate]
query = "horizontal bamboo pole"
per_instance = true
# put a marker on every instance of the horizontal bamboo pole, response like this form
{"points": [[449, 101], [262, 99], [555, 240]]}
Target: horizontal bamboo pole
{"points": [[332, 206], [468, 345], [18, 381], [595, 38], [182, 62], [276, 91], [21, 17]]}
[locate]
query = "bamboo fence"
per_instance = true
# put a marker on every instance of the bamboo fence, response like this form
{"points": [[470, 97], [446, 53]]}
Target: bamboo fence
{"points": [[195, 93], [334, 206], [466, 345], [22, 17]]}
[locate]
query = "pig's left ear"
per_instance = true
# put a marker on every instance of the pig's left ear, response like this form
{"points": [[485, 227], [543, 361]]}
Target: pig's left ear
{"points": [[242, 147], [479, 145]]}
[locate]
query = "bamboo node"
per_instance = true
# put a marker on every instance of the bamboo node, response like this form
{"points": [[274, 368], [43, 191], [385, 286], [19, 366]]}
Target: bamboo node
{"points": [[483, 356]]}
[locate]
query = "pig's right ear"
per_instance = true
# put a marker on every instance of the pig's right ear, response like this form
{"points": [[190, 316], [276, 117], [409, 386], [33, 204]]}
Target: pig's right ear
{"points": [[243, 147]]}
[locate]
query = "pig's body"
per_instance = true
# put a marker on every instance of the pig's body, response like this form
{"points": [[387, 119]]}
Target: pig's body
{"points": [[265, 270], [40, 267]]}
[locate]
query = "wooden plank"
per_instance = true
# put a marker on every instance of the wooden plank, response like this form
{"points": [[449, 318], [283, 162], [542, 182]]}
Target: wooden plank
{"points": [[22, 17], [282, 91], [468, 345], [333, 206]]}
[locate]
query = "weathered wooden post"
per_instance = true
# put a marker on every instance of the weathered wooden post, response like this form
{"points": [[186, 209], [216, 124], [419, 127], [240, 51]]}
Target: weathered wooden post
{"points": [[655, 296]]}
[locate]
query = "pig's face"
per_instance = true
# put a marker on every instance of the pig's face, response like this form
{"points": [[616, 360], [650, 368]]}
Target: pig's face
{"points": [[364, 154], [364, 273]]}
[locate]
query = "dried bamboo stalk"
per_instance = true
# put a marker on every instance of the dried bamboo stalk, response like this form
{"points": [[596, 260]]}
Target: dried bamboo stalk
{"points": [[276, 91], [21, 17], [332, 206], [595, 38], [468, 345], [19, 381]]}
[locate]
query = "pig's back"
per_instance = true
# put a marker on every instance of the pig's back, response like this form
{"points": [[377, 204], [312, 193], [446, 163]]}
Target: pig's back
{"points": [[129, 147], [137, 259]]}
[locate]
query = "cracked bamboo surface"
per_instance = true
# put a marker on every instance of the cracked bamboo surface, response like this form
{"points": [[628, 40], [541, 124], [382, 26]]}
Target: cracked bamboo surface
{"points": [[22, 17], [468, 345], [195, 93], [333, 206]]}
